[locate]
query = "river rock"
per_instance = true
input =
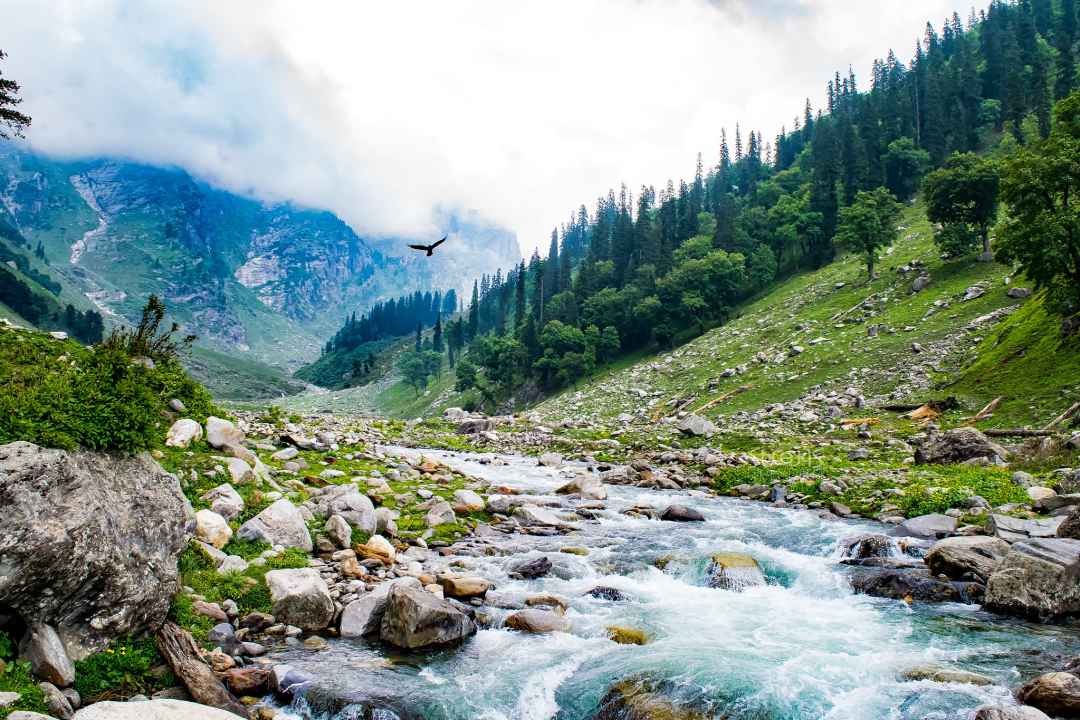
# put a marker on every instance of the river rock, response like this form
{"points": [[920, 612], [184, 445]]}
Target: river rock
{"points": [[363, 617], [1070, 526], [870, 545], [338, 531], [914, 585], [212, 529], [959, 557], [300, 597], [280, 524], [696, 425], [1009, 712], [474, 426], [603, 592], [733, 571], [681, 513], [348, 502], [536, 515], [152, 710], [552, 460], [959, 445], [1056, 693], [59, 706], [463, 587], [1037, 579], [1014, 530], [220, 433], [440, 513], [378, 548], [240, 471], [225, 501], [182, 433], [415, 618], [934, 525], [42, 647], [469, 500], [642, 699], [89, 542], [536, 621], [947, 675], [529, 569], [588, 486], [386, 522]]}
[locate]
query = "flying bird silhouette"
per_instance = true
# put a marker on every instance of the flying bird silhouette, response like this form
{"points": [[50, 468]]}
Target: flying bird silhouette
{"points": [[429, 248]]}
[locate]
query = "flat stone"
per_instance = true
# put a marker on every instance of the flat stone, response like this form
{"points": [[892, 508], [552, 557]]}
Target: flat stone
{"points": [[934, 525]]}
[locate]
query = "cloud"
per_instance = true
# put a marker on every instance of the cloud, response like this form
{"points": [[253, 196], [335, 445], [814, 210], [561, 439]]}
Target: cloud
{"points": [[382, 112]]}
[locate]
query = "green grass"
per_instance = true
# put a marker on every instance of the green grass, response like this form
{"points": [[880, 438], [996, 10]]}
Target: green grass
{"points": [[238, 377], [127, 667], [15, 677]]}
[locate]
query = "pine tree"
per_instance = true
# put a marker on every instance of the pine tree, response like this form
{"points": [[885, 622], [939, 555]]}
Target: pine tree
{"points": [[474, 314], [418, 333], [10, 118], [436, 337]]}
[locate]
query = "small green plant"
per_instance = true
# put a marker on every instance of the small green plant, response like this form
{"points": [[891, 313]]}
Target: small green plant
{"points": [[16, 677], [126, 667]]}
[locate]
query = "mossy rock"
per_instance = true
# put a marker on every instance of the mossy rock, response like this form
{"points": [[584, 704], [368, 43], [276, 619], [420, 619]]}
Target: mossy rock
{"points": [[626, 635]]}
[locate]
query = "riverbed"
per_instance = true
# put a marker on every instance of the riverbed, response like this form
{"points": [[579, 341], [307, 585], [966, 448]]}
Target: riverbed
{"points": [[803, 646]]}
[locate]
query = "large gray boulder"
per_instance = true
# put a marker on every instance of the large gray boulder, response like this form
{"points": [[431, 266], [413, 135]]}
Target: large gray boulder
{"points": [[1055, 693], [280, 524], [934, 525], [1013, 529], [415, 618], [696, 425], [348, 502], [959, 445], [89, 542], [1039, 579], [363, 616], [152, 710], [300, 597], [961, 558]]}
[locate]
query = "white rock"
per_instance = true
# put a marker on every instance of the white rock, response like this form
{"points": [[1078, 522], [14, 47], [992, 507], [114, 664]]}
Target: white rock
{"points": [[239, 470], [441, 513], [225, 501], [469, 500], [151, 710], [232, 563], [300, 597], [220, 433], [182, 433], [280, 524], [339, 532], [212, 529], [285, 454]]}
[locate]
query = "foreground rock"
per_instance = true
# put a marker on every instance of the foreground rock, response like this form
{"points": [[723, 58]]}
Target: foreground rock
{"points": [[1056, 693], [733, 571], [300, 598], [89, 542], [959, 445], [415, 618], [934, 525], [966, 558], [537, 621], [363, 617], [1038, 579], [681, 513], [280, 524], [152, 710], [914, 585], [640, 699]]}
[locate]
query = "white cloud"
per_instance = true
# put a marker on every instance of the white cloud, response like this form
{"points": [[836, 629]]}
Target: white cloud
{"points": [[382, 111]]}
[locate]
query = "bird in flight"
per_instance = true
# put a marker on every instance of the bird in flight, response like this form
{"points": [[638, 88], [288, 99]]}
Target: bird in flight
{"points": [[429, 248]]}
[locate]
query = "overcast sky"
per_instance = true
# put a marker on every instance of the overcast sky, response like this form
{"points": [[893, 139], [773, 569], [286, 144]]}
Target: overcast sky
{"points": [[380, 111]]}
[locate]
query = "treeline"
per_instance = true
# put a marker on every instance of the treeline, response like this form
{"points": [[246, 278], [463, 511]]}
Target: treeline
{"points": [[87, 326], [668, 264], [392, 318]]}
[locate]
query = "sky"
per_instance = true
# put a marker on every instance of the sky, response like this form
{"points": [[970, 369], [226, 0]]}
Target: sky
{"points": [[383, 112]]}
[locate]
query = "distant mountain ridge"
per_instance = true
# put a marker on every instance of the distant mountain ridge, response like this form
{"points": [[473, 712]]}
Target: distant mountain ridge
{"points": [[269, 281]]}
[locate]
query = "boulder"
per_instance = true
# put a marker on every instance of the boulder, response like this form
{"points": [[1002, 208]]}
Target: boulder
{"points": [[212, 529], [934, 525], [532, 620], [463, 587], [529, 569], [1009, 712], [55, 700], [964, 558], [870, 545], [415, 618], [550, 459], [474, 426], [914, 585], [641, 698], [586, 485], [338, 531], [348, 502], [469, 500], [1014, 530], [89, 542], [225, 501], [1018, 293], [1038, 579], [1055, 693], [1070, 526], [240, 471], [681, 513], [152, 710], [363, 617], [386, 521], [696, 425], [946, 675], [285, 454], [378, 548], [733, 571], [220, 433], [300, 597], [920, 283], [279, 524], [182, 433], [959, 445], [536, 515], [440, 513], [42, 647]]}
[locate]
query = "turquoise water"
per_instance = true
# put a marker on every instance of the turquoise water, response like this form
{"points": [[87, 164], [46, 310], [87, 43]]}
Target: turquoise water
{"points": [[803, 646]]}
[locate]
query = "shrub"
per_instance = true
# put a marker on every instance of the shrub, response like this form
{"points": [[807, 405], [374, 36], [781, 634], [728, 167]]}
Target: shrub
{"points": [[126, 667]]}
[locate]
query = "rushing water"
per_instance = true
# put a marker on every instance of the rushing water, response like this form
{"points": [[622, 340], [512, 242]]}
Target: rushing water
{"points": [[802, 647]]}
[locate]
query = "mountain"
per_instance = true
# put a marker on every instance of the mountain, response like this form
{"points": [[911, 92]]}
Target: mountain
{"points": [[269, 282]]}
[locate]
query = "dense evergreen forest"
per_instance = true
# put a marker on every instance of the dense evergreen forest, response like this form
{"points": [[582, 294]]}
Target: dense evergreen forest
{"points": [[659, 266]]}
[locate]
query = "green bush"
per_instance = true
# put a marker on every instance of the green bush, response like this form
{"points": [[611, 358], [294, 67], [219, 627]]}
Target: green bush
{"points": [[126, 667], [16, 677]]}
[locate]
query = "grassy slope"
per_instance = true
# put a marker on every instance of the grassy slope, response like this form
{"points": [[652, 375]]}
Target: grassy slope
{"points": [[805, 308], [233, 377]]}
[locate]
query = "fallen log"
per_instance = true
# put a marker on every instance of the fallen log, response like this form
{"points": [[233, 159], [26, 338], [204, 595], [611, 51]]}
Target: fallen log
{"points": [[1063, 416], [986, 411], [726, 396], [949, 403], [1017, 432], [182, 655]]}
